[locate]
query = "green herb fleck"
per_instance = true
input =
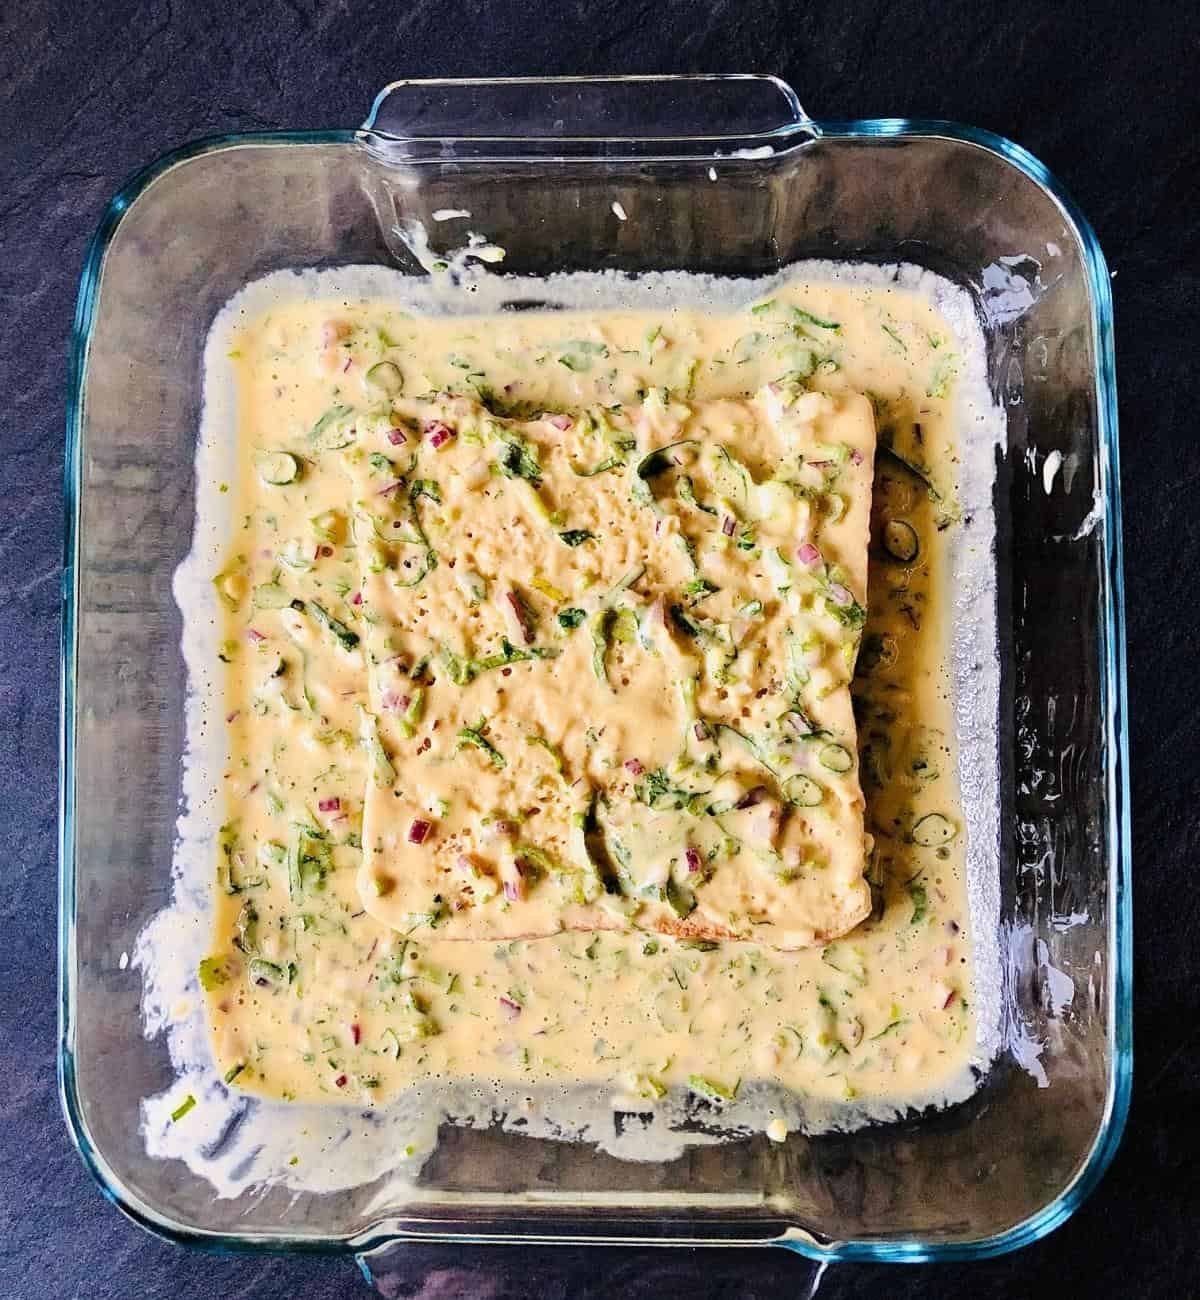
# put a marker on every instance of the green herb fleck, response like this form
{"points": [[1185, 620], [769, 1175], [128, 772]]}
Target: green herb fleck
{"points": [[337, 629], [578, 354], [660, 459], [187, 1104], [555, 756], [802, 317], [895, 337], [474, 736], [710, 1090], [920, 901], [518, 459]]}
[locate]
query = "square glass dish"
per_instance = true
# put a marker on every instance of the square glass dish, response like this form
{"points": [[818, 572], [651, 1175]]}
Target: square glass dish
{"points": [[539, 164]]}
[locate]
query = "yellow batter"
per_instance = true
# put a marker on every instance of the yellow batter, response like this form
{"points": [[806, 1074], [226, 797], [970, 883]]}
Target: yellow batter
{"points": [[643, 719]]}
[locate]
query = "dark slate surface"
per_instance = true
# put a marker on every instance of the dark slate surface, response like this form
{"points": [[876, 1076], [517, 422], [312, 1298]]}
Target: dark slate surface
{"points": [[1105, 94]]}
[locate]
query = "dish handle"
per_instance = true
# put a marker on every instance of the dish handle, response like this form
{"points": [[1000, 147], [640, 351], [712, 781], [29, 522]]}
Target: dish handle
{"points": [[395, 1269], [690, 116]]}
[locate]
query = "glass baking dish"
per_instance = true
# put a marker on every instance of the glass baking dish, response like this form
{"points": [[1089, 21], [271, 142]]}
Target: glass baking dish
{"points": [[729, 177]]}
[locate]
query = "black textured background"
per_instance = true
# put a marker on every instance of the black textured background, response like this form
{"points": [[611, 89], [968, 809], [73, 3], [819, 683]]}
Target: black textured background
{"points": [[1106, 94]]}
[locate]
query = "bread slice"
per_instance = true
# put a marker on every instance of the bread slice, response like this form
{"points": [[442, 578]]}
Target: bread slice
{"points": [[609, 661]]}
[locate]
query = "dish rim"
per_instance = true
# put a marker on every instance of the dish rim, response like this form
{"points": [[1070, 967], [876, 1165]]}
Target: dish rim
{"points": [[1113, 694]]}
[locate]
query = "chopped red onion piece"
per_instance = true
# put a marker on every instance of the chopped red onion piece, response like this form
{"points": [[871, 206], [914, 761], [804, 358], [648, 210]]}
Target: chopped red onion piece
{"points": [[562, 422], [394, 486], [840, 595], [349, 363], [764, 824], [255, 636], [693, 861], [355, 1034], [397, 437], [356, 599], [418, 831], [808, 554], [522, 619], [511, 1009], [700, 731], [751, 797], [514, 884], [329, 805], [497, 830], [856, 457], [438, 433], [728, 524], [634, 765], [797, 723], [340, 1081]]}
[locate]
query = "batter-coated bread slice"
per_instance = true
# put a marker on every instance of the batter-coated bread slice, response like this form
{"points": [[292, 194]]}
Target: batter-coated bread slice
{"points": [[610, 654]]}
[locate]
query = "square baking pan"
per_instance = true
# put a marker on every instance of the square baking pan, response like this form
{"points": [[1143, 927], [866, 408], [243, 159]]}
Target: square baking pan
{"points": [[729, 177]]}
